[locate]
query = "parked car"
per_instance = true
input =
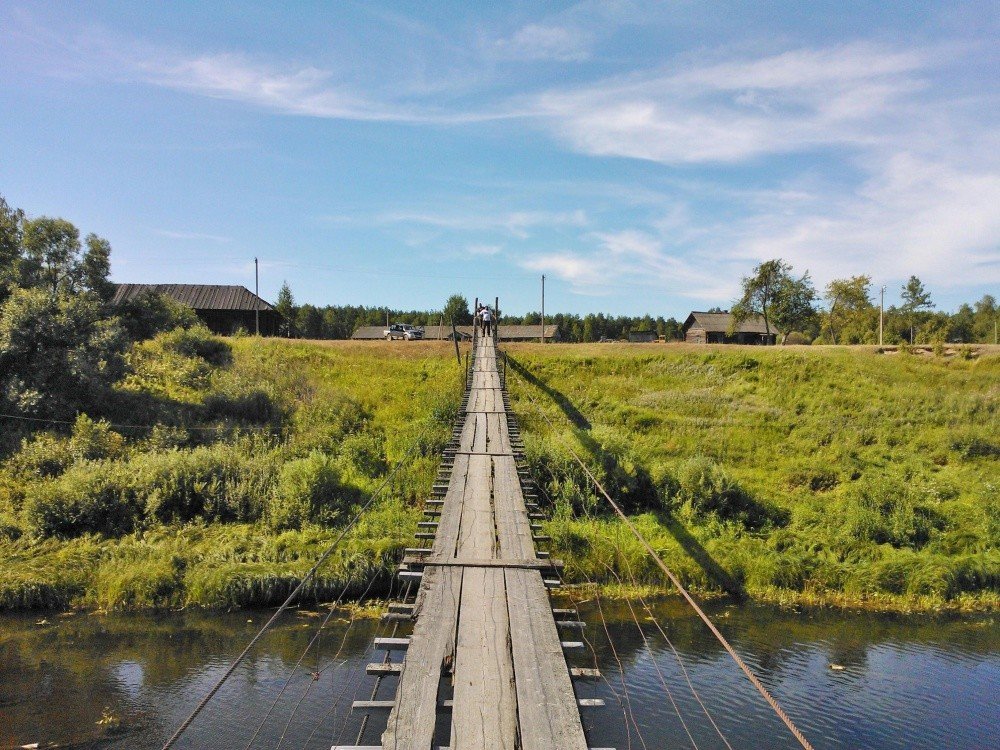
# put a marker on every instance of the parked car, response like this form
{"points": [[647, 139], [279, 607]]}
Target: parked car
{"points": [[403, 331]]}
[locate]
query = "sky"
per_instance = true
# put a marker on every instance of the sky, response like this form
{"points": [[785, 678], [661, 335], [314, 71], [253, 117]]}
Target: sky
{"points": [[643, 156]]}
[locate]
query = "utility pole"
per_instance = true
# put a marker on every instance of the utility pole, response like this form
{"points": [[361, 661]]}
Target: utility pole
{"points": [[543, 309], [256, 291], [881, 314]]}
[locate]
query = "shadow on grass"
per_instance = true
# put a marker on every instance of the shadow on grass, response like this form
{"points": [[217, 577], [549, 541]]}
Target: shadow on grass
{"points": [[681, 535]]}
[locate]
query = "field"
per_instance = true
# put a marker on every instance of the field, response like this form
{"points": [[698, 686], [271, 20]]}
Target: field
{"points": [[795, 474], [800, 475]]}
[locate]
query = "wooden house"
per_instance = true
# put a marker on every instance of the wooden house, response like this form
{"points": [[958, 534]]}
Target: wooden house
{"points": [[717, 328], [224, 309]]}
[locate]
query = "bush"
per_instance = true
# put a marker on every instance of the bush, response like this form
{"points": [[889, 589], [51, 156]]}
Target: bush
{"points": [[365, 453], [45, 455], [90, 497], [704, 490], [886, 511], [197, 341], [150, 313], [94, 440], [217, 483], [305, 492]]}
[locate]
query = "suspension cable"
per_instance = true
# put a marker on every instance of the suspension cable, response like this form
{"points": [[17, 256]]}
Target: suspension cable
{"points": [[684, 592]]}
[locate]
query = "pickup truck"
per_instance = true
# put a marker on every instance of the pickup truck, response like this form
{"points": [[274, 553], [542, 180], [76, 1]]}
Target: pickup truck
{"points": [[403, 331]]}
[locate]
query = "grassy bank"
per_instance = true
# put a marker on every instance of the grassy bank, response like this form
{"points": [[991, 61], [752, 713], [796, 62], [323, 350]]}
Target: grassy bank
{"points": [[834, 476], [235, 463]]}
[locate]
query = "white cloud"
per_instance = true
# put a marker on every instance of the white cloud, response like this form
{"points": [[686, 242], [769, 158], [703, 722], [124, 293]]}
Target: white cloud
{"points": [[483, 249], [192, 236], [738, 110], [545, 42]]}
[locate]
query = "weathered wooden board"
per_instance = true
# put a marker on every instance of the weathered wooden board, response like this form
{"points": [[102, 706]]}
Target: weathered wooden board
{"points": [[484, 714], [547, 710], [412, 718]]}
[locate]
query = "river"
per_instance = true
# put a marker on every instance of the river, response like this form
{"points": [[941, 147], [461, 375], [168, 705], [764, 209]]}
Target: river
{"points": [[900, 681]]}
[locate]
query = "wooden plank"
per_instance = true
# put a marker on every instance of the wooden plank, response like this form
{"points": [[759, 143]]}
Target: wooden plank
{"points": [[546, 704], [532, 564], [485, 706], [412, 719]]}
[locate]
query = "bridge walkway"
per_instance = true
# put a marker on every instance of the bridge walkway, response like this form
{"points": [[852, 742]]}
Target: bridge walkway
{"points": [[484, 628]]}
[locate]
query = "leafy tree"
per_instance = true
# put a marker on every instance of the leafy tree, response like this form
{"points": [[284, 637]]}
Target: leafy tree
{"points": [[51, 247], [987, 313], [761, 291], [457, 309], [847, 298], [793, 309], [95, 268], [11, 233], [58, 353], [286, 307], [916, 299]]}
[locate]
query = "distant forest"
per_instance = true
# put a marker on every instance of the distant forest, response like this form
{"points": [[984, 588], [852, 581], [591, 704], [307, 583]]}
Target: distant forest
{"points": [[340, 321], [850, 318]]}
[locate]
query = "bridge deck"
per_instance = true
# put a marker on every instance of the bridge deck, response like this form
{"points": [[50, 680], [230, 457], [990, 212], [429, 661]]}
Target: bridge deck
{"points": [[488, 629]]}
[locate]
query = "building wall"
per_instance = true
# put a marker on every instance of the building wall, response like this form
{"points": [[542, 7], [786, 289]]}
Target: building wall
{"points": [[227, 322]]}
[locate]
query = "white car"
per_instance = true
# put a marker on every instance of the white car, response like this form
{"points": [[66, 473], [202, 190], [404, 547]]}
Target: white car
{"points": [[403, 331]]}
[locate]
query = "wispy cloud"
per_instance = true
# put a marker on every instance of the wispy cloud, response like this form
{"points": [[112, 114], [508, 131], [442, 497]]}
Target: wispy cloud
{"points": [[741, 109], [483, 249], [196, 236], [515, 223], [545, 42]]}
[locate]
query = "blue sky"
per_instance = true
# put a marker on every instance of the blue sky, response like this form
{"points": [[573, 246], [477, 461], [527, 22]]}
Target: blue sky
{"points": [[644, 156]]}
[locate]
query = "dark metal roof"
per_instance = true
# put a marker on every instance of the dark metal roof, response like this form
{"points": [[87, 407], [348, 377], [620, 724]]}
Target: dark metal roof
{"points": [[198, 296], [720, 322]]}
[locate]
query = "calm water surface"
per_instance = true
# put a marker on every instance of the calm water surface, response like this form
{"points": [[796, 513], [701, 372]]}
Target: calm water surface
{"points": [[906, 683]]}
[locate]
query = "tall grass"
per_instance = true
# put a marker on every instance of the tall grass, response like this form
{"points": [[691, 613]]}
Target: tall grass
{"points": [[267, 448], [835, 475]]}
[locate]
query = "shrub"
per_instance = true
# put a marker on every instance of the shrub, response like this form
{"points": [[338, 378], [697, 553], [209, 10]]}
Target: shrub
{"points": [[94, 440], [197, 341], [886, 511], [704, 489], [45, 455], [305, 492], [217, 483], [365, 453], [150, 313], [90, 497]]}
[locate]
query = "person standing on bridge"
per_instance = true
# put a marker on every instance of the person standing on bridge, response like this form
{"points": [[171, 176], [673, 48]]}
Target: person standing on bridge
{"points": [[487, 319]]}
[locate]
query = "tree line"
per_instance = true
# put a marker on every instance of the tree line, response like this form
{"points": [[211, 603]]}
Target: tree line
{"points": [[63, 344], [789, 306], [845, 311], [340, 321]]}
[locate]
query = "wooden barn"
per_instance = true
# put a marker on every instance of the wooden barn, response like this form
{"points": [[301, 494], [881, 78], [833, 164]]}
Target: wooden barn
{"points": [[716, 328], [642, 337], [224, 309]]}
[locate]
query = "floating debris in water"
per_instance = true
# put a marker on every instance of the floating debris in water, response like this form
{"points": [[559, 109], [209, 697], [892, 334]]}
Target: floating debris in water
{"points": [[837, 667]]}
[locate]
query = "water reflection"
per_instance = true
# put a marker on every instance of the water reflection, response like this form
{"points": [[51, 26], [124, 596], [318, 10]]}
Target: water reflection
{"points": [[905, 682]]}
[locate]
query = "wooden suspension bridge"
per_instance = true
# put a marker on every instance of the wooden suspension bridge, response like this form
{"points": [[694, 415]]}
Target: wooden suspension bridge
{"points": [[485, 664], [487, 647]]}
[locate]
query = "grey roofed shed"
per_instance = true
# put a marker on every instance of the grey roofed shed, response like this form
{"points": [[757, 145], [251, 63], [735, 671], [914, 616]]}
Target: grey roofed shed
{"points": [[223, 308], [715, 328]]}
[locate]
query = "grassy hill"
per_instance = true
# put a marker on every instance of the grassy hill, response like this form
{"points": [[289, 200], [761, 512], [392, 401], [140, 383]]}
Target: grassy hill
{"points": [[839, 475], [261, 450], [792, 474]]}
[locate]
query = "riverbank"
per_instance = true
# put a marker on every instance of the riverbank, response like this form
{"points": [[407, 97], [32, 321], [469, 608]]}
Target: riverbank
{"points": [[834, 477]]}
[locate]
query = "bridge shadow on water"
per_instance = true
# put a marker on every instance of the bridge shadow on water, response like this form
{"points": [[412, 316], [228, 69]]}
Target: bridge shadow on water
{"points": [[582, 426]]}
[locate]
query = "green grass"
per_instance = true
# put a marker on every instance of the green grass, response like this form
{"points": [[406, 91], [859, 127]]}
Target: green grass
{"points": [[266, 448], [794, 474]]}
